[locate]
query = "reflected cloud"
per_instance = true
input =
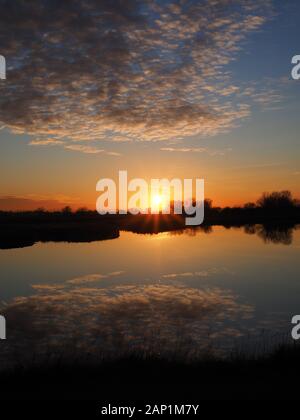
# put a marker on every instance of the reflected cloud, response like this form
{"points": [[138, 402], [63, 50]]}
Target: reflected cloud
{"points": [[109, 321], [203, 273], [90, 278]]}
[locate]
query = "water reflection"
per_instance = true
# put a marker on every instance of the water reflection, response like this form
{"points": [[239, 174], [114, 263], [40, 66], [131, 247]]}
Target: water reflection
{"points": [[160, 318], [277, 234], [192, 231], [282, 234], [183, 292]]}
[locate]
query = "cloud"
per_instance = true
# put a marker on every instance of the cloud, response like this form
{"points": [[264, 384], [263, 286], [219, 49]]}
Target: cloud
{"points": [[195, 150], [183, 149], [84, 149], [123, 70], [15, 203], [74, 147], [45, 142], [89, 149]]}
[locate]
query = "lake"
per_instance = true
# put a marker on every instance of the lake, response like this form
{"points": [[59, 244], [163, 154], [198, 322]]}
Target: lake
{"points": [[182, 292]]}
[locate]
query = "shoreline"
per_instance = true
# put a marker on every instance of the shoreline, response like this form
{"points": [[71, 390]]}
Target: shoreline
{"points": [[24, 229]]}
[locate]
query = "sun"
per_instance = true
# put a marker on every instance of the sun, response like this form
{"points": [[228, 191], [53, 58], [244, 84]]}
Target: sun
{"points": [[158, 202]]}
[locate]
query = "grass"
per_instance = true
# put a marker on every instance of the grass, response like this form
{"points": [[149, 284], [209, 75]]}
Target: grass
{"points": [[142, 377]]}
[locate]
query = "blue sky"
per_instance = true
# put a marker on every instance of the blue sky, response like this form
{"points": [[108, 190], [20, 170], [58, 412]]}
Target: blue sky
{"points": [[258, 150]]}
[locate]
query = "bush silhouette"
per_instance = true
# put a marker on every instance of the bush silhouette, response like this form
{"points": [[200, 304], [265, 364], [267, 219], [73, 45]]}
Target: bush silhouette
{"points": [[276, 200]]}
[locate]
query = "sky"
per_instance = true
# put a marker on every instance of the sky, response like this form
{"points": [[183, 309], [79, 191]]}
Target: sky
{"points": [[162, 89]]}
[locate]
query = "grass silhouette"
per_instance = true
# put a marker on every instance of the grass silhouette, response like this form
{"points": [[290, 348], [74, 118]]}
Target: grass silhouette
{"points": [[142, 377]]}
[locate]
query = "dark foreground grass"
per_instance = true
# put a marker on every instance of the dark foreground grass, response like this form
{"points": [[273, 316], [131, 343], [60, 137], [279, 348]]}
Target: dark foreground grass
{"points": [[158, 379]]}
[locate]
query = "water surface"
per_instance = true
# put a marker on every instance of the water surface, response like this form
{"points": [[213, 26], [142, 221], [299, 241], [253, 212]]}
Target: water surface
{"points": [[182, 291]]}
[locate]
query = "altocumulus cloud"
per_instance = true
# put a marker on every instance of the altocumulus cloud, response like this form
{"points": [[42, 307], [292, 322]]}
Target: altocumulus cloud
{"points": [[130, 70]]}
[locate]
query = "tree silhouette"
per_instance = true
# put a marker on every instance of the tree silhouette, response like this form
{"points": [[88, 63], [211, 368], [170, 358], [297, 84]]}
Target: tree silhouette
{"points": [[276, 200]]}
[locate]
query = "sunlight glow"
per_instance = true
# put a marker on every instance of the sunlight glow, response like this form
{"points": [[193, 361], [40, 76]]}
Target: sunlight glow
{"points": [[158, 202]]}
